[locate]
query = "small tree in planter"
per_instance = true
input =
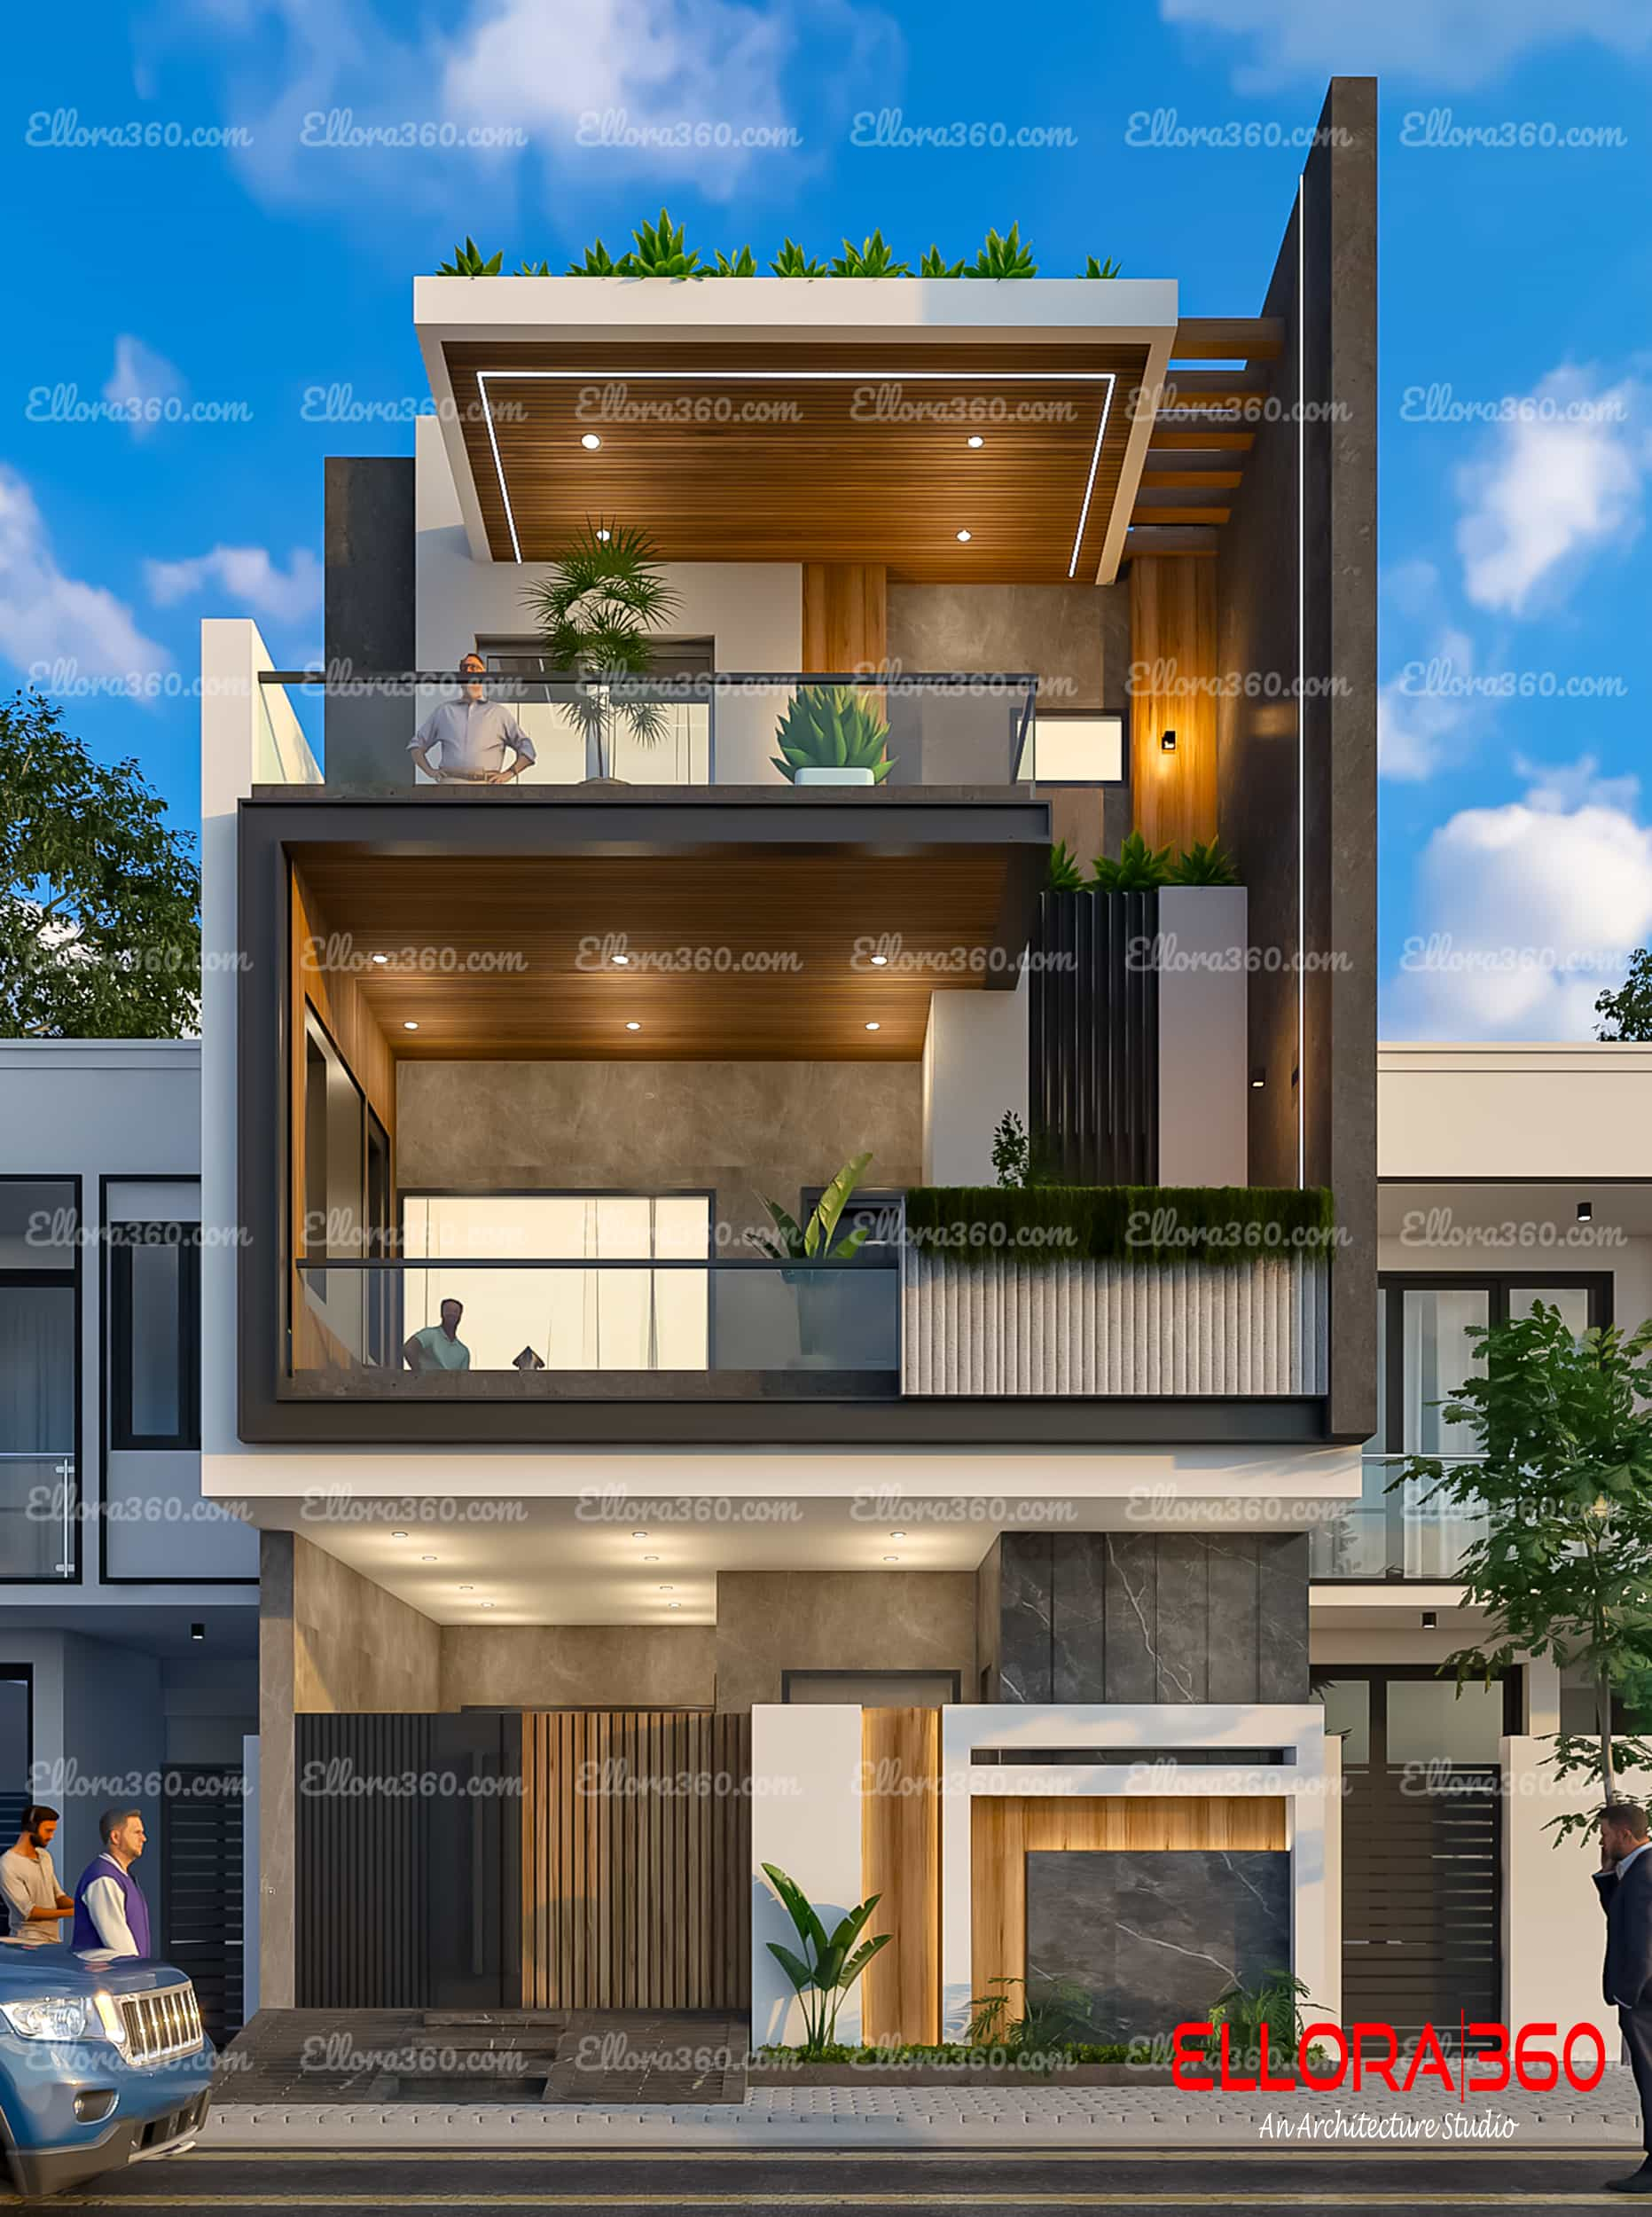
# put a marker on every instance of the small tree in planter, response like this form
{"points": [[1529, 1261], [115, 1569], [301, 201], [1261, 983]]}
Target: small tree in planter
{"points": [[604, 597], [1563, 1564], [832, 735], [817, 1243]]}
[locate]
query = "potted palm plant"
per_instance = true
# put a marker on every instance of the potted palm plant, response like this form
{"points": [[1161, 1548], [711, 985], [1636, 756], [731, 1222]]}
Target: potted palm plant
{"points": [[597, 607], [832, 735], [817, 1245]]}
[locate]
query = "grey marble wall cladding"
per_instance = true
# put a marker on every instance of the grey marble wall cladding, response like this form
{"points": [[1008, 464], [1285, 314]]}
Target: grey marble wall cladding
{"points": [[1151, 1617], [1153, 1938]]}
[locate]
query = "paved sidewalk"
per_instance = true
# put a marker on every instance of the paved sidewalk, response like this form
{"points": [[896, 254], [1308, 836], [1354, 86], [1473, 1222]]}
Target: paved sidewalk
{"points": [[917, 2118]]}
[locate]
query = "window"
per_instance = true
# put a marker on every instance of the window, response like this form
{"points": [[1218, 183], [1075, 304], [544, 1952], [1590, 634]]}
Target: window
{"points": [[1075, 750], [155, 1337], [1425, 1352], [39, 1377]]}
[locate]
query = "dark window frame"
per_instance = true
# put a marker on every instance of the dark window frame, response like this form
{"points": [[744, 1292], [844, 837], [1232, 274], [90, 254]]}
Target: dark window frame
{"points": [[124, 1437], [1498, 1285], [71, 1278]]}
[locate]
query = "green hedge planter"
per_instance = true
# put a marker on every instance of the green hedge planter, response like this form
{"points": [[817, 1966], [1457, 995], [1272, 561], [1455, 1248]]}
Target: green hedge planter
{"points": [[1043, 1225]]}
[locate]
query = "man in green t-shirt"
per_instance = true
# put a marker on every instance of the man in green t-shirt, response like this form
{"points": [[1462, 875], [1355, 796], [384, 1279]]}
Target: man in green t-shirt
{"points": [[439, 1347]]}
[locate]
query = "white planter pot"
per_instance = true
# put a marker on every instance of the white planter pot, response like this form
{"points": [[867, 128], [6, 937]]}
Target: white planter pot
{"points": [[832, 777]]}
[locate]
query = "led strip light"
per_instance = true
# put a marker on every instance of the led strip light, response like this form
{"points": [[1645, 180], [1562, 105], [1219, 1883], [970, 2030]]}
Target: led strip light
{"points": [[1106, 378]]}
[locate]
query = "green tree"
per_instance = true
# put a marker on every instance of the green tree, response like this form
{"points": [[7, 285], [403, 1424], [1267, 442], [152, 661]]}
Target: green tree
{"points": [[99, 900], [1563, 1566], [1627, 1014]]}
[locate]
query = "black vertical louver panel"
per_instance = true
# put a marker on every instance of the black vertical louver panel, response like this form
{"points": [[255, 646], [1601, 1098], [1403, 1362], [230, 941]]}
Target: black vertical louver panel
{"points": [[1092, 1037]]}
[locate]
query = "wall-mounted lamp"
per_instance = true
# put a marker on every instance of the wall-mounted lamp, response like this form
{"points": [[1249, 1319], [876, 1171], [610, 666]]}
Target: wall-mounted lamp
{"points": [[1167, 741], [1430, 1621], [1258, 1078], [1586, 1212], [198, 1631]]}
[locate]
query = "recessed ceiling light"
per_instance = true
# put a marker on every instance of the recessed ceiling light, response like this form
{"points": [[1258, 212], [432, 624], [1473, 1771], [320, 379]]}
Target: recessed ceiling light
{"points": [[633, 1025], [964, 538], [381, 958], [639, 1535], [467, 1589], [674, 1604], [487, 1604], [651, 1558], [622, 960], [429, 1558], [891, 1558], [398, 1535], [408, 1024], [668, 1589], [605, 537], [590, 441], [975, 439], [898, 1535], [875, 1027], [878, 962]]}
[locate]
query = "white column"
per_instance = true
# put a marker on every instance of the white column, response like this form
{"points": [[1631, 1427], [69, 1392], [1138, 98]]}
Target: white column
{"points": [[805, 1818]]}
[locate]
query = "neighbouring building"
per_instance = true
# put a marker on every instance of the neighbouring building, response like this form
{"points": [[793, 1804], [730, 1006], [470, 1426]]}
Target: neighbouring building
{"points": [[976, 1567], [129, 1605]]}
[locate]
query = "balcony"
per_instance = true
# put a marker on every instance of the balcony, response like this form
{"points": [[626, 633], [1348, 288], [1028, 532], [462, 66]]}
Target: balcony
{"points": [[39, 1512], [1393, 1533], [660, 1328], [836, 737]]}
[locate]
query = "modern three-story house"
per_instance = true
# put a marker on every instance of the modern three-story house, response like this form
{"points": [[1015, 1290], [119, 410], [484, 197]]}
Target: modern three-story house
{"points": [[930, 1550]]}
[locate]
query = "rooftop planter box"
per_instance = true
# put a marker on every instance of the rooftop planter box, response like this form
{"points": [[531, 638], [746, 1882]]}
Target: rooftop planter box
{"points": [[1125, 1290]]}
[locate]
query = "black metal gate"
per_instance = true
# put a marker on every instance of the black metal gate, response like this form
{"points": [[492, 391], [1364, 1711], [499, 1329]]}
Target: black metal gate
{"points": [[200, 1887], [1422, 1862]]}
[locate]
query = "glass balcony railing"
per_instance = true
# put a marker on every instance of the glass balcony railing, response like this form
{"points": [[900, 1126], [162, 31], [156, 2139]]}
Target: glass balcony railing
{"points": [[595, 1330], [39, 1509], [1392, 1531], [808, 732]]}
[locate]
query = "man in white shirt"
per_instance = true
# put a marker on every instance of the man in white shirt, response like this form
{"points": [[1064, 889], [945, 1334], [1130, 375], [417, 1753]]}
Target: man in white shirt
{"points": [[464, 741], [36, 1904]]}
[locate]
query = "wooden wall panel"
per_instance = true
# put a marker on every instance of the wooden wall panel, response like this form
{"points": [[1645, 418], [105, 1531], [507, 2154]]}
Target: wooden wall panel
{"points": [[1172, 652], [900, 1858], [846, 621], [317, 976], [1002, 1830], [635, 1857]]}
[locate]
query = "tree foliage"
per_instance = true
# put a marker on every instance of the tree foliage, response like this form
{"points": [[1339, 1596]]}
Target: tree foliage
{"points": [[1627, 1014], [99, 901], [1562, 1564]]}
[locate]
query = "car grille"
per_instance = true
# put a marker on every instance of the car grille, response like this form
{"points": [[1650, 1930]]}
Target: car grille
{"points": [[163, 2023]]}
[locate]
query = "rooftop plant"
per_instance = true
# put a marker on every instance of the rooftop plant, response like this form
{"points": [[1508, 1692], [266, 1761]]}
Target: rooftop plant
{"points": [[658, 249]]}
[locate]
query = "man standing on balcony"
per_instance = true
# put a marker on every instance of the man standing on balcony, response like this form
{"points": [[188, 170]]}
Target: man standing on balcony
{"points": [[1625, 1884], [439, 1347], [465, 741]]}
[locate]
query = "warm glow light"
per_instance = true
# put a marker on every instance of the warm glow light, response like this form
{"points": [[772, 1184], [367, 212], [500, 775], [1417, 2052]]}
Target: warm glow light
{"points": [[878, 962], [963, 537], [381, 958], [622, 960], [633, 1025], [409, 1025], [875, 1027], [975, 439], [590, 441]]}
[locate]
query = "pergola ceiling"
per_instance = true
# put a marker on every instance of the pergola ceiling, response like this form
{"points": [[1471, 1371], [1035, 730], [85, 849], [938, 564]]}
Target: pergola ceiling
{"points": [[1203, 426], [743, 953], [770, 453]]}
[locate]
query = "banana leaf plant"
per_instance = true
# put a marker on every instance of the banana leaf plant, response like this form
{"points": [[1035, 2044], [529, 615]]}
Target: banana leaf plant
{"points": [[822, 1974], [816, 1242]]}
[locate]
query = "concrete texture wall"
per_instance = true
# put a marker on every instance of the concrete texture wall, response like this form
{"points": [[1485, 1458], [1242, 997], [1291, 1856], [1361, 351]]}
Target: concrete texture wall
{"points": [[745, 1129], [1309, 498], [770, 1622], [540, 1666], [355, 1646], [1075, 639]]}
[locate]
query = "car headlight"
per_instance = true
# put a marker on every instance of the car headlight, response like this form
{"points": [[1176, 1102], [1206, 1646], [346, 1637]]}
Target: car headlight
{"points": [[57, 2016]]}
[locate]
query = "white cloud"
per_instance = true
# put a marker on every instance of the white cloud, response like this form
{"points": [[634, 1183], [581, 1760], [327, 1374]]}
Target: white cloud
{"points": [[1561, 481], [141, 377], [1426, 713], [1466, 42], [1528, 911], [54, 623], [247, 574]]}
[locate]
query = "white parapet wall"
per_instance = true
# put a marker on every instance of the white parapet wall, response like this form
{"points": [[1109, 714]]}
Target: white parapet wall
{"points": [[1204, 1099], [997, 1325], [1554, 1933]]}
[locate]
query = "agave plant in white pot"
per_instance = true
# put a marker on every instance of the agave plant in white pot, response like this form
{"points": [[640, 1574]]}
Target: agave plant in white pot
{"points": [[597, 608], [832, 735]]}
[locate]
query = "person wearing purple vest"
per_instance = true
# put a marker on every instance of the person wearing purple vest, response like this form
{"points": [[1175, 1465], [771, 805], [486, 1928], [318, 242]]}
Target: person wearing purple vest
{"points": [[110, 1911]]}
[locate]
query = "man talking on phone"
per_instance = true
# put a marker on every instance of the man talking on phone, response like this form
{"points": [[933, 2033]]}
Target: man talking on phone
{"points": [[1624, 1885]]}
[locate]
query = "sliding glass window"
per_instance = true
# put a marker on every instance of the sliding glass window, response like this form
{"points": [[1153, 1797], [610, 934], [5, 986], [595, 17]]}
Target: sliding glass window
{"points": [[39, 1378]]}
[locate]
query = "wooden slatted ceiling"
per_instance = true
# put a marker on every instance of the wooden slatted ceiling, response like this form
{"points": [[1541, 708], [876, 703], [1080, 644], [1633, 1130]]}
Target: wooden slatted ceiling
{"points": [[870, 463], [508, 959]]}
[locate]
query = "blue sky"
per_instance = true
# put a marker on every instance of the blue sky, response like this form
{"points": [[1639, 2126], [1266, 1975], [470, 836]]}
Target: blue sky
{"points": [[1515, 282]]}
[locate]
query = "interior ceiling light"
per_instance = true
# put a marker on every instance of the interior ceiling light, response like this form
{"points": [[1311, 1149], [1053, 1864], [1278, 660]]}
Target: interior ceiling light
{"points": [[633, 1025], [875, 1027], [639, 1535], [408, 1024], [622, 960], [878, 962], [674, 1604], [487, 1604], [975, 439], [590, 442], [381, 958], [429, 1558], [891, 1558], [651, 1558], [398, 1535], [964, 538], [467, 1589]]}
